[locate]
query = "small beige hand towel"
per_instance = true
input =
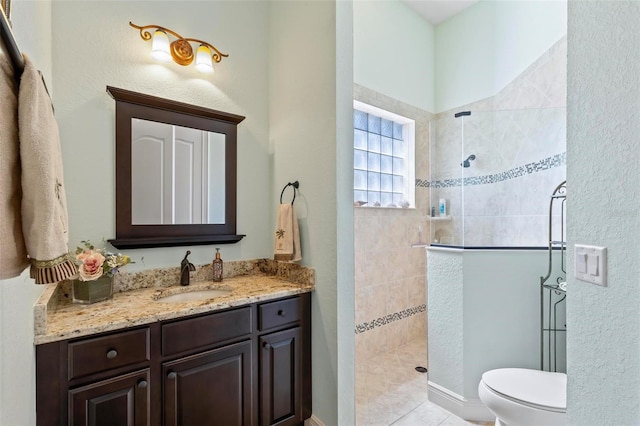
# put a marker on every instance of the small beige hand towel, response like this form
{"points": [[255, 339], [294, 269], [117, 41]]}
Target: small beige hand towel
{"points": [[287, 235]]}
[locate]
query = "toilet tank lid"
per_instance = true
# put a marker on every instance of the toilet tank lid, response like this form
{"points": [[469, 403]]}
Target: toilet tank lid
{"points": [[542, 388]]}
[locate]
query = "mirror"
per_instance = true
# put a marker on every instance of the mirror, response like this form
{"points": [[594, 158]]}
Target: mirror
{"points": [[175, 173]]}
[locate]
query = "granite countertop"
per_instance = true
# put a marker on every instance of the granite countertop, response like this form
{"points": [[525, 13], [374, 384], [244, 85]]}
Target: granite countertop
{"points": [[136, 297]]}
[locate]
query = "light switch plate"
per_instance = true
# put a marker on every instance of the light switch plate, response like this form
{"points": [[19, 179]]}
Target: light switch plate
{"points": [[581, 263], [591, 264]]}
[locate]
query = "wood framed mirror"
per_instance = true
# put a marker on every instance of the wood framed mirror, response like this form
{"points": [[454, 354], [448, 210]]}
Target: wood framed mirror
{"points": [[176, 173]]}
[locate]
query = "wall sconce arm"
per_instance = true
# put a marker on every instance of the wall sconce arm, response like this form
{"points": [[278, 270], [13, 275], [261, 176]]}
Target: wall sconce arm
{"points": [[180, 49], [216, 54]]}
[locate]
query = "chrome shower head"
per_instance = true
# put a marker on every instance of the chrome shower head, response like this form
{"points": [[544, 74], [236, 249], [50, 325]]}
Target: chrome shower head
{"points": [[467, 162]]}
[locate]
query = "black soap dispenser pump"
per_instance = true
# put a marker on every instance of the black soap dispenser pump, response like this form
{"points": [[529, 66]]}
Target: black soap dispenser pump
{"points": [[217, 267]]}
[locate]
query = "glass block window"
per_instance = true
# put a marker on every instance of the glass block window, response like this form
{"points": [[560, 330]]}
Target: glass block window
{"points": [[383, 158]]}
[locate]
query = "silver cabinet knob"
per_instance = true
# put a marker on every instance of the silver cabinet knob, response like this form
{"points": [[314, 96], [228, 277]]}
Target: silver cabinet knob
{"points": [[172, 375], [112, 354]]}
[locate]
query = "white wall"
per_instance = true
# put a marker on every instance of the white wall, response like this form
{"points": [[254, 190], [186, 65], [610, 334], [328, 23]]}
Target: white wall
{"points": [[445, 318], [303, 135], [501, 311], [393, 52], [32, 30], [603, 206], [483, 313], [88, 42], [90, 45], [482, 49], [393, 70], [345, 222]]}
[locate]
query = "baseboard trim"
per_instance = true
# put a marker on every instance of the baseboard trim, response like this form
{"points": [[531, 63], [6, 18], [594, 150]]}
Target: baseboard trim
{"points": [[313, 421], [468, 409]]}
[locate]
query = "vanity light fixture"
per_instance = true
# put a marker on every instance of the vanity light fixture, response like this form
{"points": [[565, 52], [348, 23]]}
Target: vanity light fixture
{"points": [[180, 49]]}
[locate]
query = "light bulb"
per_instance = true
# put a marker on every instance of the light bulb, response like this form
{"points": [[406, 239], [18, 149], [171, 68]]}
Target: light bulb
{"points": [[160, 47], [203, 59]]}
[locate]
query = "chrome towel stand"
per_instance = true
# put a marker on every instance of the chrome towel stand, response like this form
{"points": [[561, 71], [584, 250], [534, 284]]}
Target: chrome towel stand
{"points": [[295, 185], [556, 293]]}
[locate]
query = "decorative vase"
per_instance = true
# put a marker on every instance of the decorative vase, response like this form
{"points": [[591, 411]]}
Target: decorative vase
{"points": [[92, 291]]}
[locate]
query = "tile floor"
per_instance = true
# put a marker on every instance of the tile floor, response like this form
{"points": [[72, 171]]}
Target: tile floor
{"points": [[389, 391]]}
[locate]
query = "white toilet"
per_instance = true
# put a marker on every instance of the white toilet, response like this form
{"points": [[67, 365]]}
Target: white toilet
{"points": [[524, 397]]}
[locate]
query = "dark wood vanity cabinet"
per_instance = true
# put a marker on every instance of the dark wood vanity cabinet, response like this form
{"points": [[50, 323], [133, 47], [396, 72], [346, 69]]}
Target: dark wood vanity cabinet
{"points": [[122, 400], [249, 365], [212, 387], [280, 378], [280, 358]]}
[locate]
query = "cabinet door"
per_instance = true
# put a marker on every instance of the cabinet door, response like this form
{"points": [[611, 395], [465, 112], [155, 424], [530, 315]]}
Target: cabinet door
{"points": [[120, 401], [212, 388], [280, 375]]}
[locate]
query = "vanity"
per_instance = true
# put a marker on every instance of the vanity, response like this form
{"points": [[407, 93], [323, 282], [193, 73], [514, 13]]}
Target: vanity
{"points": [[236, 352], [146, 357]]}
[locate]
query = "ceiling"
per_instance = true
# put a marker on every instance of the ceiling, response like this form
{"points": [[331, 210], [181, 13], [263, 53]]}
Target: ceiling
{"points": [[437, 11]]}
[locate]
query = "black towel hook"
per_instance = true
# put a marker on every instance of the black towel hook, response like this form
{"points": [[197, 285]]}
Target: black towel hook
{"points": [[295, 185]]}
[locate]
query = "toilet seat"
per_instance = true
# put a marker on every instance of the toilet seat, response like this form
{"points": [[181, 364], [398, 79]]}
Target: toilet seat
{"points": [[536, 389]]}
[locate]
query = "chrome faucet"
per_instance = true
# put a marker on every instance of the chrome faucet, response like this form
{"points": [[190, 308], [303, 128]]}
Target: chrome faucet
{"points": [[185, 268]]}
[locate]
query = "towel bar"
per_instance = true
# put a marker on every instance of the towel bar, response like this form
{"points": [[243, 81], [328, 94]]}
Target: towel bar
{"points": [[295, 185]]}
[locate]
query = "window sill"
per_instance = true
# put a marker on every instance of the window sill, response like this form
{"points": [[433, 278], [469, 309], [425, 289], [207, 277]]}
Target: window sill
{"points": [[384, 207]]}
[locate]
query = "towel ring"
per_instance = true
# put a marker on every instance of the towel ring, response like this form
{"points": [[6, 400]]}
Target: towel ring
{"points": [[295, 185]]}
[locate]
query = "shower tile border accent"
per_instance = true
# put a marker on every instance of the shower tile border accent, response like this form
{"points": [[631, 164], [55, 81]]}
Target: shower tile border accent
{"points": [[387, 319], [529, 168]]}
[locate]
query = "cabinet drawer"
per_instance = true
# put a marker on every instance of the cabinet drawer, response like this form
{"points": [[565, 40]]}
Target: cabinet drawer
{"points": [[202, 331], [278, 313], [107, 352]]}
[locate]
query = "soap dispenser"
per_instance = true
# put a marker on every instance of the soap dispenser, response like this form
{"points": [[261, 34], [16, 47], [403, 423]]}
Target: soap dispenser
{"points": [[217, 267]]}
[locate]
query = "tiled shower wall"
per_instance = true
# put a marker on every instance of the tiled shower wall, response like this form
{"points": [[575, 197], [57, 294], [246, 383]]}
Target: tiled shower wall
{"points": [[518, 137], [390, 277], [519, 140]]}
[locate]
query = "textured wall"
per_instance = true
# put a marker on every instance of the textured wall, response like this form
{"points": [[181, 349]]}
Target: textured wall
{"points": [[394, 52], [344, 230], [482, 49], [501, 311], [445, 295], [304, 135], [604, 206], [83, 66], [483, 313], [277, 142], [389, 274]]}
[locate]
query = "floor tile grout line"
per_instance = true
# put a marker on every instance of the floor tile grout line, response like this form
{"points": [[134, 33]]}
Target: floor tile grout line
{"points": [[377, 366]]}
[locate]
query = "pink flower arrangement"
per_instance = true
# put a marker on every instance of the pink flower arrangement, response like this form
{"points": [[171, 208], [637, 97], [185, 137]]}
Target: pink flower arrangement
{"points": [[94, 263]]}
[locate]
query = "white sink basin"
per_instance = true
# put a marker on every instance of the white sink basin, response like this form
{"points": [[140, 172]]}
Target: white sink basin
{"points": [[192, 296]]}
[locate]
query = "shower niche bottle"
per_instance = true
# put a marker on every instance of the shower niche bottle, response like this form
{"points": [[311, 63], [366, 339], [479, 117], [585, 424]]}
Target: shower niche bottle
{"points": [[217, 267], [443, 207]]}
